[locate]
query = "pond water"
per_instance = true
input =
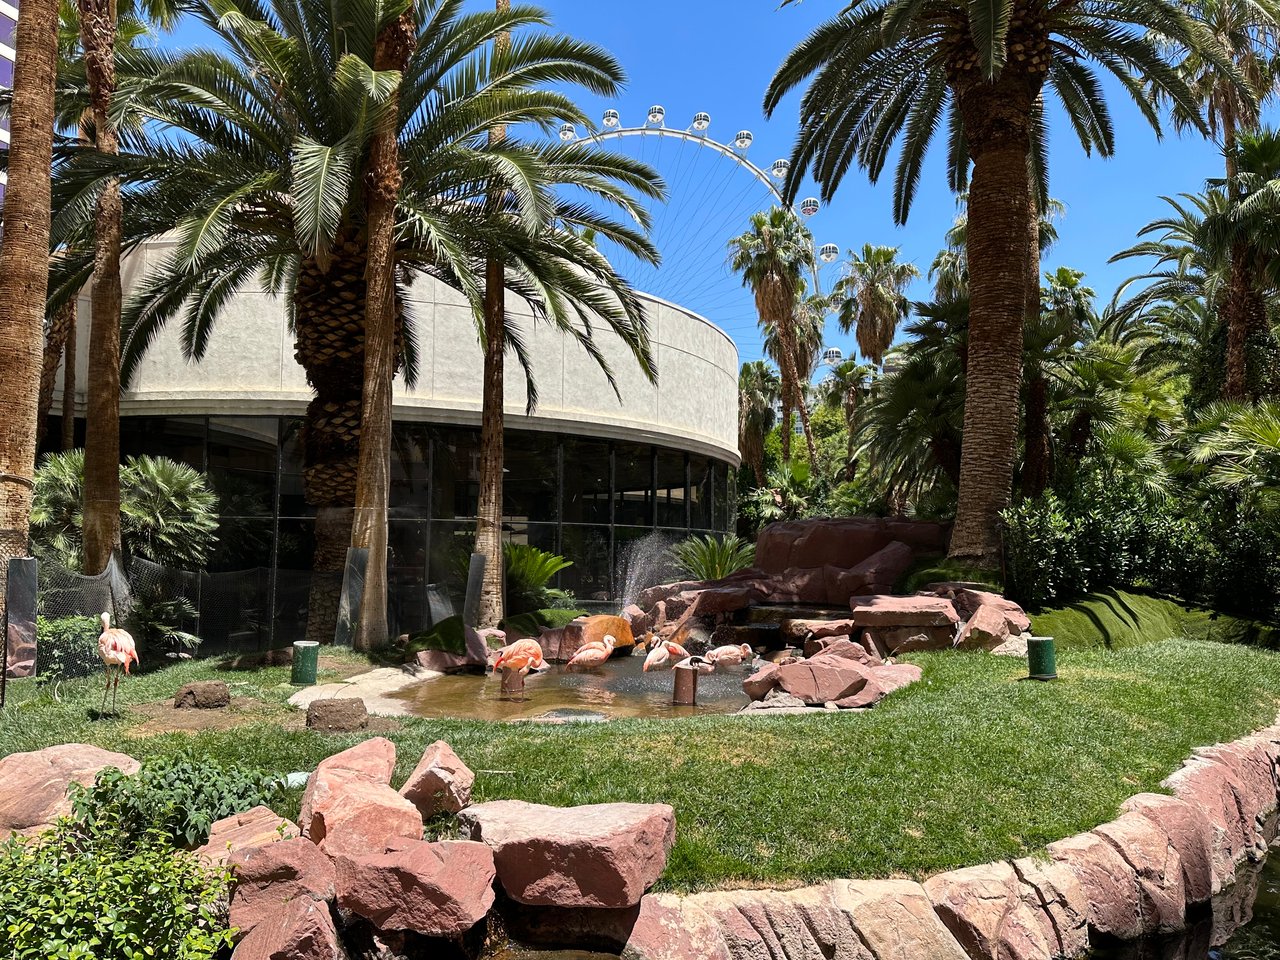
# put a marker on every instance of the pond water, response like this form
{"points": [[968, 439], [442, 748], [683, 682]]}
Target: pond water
{"points": [[619, 688]]}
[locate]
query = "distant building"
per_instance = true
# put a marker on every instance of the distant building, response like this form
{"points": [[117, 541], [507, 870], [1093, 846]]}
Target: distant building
{"points": [[8, 32]]}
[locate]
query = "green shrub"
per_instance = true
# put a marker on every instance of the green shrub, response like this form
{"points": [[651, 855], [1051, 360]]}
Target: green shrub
{"points": [[157, 622], [1041, 563], [713, 557], [67, 896], [66, 647], [178, 796], [528, 571], [529, 624], [449, 636]]}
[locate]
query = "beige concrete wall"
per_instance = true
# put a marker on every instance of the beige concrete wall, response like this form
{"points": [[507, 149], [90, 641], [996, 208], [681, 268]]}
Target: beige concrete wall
{"points": [[249, 368]]}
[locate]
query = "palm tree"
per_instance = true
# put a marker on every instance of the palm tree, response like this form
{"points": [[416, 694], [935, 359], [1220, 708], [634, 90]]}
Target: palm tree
{"points": [[772, 257], [256, 166], [887, 70], [24, 274], [874, 288], [843, 389], [1241, 446], [758, 391]]}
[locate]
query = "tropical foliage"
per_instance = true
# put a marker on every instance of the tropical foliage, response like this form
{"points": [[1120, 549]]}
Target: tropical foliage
{"points": [[712, 557]]}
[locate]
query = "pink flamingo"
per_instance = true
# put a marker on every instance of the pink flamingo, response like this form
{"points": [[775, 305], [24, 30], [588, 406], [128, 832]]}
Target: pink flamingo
{"points": [[730, 654], [662, 654], [116, 648], [701, 664], [593, 654], [523, 655]]}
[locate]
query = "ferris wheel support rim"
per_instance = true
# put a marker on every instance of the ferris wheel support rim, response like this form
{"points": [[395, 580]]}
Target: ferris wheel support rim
{"points": [[701, 140]]}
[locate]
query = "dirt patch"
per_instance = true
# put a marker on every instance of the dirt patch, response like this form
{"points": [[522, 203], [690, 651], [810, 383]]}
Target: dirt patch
{"points": [[161, 717], [334, 667]]}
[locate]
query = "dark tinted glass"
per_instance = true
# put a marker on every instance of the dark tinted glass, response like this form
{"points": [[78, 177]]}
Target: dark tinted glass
{"points": [[586, 481], [410, 469], [457, 473], [531, 483], [671, 492], [242, 464], [699, 493], [588, 548], [633, 484]]}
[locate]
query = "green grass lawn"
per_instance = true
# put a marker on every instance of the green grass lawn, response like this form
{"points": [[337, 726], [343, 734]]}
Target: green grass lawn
{"points": [[970, 765]]}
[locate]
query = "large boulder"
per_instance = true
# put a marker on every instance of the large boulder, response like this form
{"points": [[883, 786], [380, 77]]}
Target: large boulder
{"points": [[821, 679], [1110, 884], [255, 827], [968, 599], [883, 681], [1212, 788], [301, 930], [985, 630], [586, 630], [267, 877], [762, 681], [372, 760], [893, 641], [876, 574], [440, 783], [895, 919], [600, 855], [1162, 902], [363, 816], [843, 543], [800, 631], [1189, 833], [34, 786], [840, 647], [889, 611], [203, 695], [435, 889]]}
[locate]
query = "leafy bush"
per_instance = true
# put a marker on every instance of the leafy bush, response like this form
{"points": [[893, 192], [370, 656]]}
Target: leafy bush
{"points": [[66, 647], [712, 557], [65, 895], [528, 571], [1041, 563], [168, 514], [178, 796], [157, 623]]}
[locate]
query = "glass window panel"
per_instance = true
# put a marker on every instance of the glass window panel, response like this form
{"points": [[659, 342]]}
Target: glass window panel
{"points": [[642, 560], [178, 438], [293, 580], [242, 464], [457, 473], [633, 484], [531, 483], [243, 543], [699, 493], [448, 558], [586, 481], [410, 469], [235, 608], [671, 492], [407, 608], [721, 501], [293, 500], [8, 34], [6, 80], [588, 548]]}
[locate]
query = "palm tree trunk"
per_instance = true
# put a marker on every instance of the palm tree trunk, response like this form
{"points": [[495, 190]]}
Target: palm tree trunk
{"points": [[1236, 314], [102, 434], [998, 242], [1035, 464], [24, 271], [489, 507], [373, 477], [55, 343], [69, 382]]}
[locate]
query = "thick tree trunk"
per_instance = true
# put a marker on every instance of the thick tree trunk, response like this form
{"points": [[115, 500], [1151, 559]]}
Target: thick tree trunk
{"points": [[489, 507], [102, 433], [69, 382], [55, 344], [373, 479], [1036, 460], [1244, 314], [999, 197], [24, 271]]}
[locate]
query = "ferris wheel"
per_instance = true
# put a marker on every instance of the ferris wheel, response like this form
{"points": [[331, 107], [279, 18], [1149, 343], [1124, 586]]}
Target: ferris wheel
{"points": [[713, 188]]}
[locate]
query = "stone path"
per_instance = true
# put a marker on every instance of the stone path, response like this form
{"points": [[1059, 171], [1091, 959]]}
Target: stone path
{"points": [[372, 687]]}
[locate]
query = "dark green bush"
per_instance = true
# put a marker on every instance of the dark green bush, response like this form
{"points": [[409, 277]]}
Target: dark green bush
{"points": [[1041, 563], [528, 573], [70, 896], [66, 647], [178, 796]]}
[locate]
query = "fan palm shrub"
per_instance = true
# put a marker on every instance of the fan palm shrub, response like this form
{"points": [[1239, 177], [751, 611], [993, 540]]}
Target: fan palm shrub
{"points": [[713, 556], [256, 164], [883, 72], [528, 570]]}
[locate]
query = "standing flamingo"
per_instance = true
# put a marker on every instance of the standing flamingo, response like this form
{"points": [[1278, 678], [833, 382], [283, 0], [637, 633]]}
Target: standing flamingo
{"points": [[523, 655], [116, 648], [662, 654], [730, 654], [593, 654]]}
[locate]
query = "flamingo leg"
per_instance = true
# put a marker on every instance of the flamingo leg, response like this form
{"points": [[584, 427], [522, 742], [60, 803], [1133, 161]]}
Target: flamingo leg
{"points": [[114, 688], [103, 709]]}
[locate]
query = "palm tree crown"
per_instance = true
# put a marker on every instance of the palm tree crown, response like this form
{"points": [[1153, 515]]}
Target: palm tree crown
{"points": [[875, 297]]}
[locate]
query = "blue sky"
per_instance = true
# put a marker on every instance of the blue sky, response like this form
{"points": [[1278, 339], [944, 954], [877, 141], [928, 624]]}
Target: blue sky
{"points": [[718, 55]]}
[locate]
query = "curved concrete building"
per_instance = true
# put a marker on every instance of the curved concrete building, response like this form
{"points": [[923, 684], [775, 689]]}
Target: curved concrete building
{"points": [[587, 473]]}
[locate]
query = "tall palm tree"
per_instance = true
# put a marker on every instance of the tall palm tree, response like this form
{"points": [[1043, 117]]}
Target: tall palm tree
{"points": [[24, 274], [98, 33], [255, 168], [874, 287], [886, 70], [843, 389], [758, 392], [773, 257]]}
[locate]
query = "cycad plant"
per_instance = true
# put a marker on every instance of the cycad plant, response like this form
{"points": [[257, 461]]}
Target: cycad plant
{"points": [[887, 71], [258, 164]]}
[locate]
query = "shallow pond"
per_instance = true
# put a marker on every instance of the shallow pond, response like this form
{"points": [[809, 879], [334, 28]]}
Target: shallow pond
{"points": [[619, 688]]}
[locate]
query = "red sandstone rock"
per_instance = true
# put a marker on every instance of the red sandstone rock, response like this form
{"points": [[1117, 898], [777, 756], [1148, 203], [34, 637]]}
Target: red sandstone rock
{"points": [[883, 681], [1146, 848], [269, 876], [1252, 760], [440, 783], [889, 611], [301, 930], [986, 629], [664, 591], [33, 786], [372, 760], [761, 682], [243, 831], [586, 630], [1109, 882], [801, 585], [840, 647], [638, 619], [601, 855], [442, 661], [880, 571], [820, 679], [435, 889], [797, 630], [668, 927], [895, 919], [1210, 787], [892, 641], [1189, 833], [968, 601], [363, 816]]}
